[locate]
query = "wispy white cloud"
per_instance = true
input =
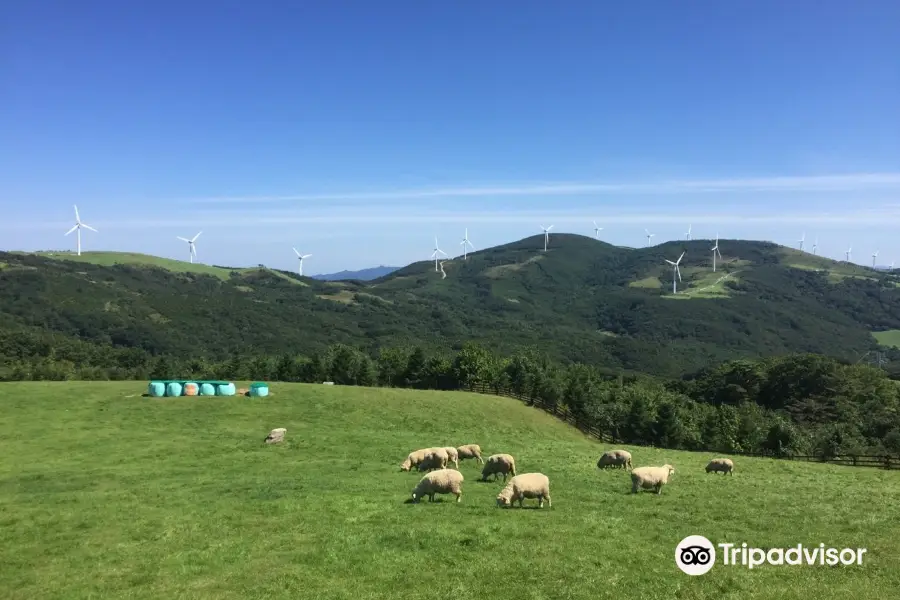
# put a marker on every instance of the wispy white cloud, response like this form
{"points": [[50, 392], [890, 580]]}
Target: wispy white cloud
{"points": [[580, 218], [815, 183]]}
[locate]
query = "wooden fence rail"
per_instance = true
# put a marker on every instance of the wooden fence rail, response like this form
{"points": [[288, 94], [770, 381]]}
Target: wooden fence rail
{"points": [[863, 460]]}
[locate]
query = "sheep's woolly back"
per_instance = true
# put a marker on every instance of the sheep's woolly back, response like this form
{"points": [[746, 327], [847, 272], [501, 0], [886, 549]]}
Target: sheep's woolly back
{"points": [[500, 464], [469, 451], [529, 485], [442, 481], [435, 458], [415, 457], [452, 455], [615, 458], [720, 464], [651, 476]]}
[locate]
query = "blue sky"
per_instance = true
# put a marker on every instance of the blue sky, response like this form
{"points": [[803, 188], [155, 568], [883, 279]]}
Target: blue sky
{"points": [[359, 131]]}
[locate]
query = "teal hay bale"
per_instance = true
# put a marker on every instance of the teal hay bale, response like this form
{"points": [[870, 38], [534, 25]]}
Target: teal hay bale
{"points": [[207, 389], [156, 389], [259, 389], [173, 389], [225, 389]]}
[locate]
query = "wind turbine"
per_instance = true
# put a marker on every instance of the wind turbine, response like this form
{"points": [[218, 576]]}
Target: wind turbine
{"points": [[301, 257], [597, 230], [892, 265], [815, 245], [434, 254], [77, 227], [546, 235], [847, 253], [715, 250], [689, 232], [649, 235], [801, 240], [191, 249], [874, 256], [465, 243], [675, 272]]}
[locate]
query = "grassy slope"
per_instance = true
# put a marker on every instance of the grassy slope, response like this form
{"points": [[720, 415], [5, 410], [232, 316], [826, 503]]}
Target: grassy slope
{"points": [[134, 258], [890, 337], [107, 494]]}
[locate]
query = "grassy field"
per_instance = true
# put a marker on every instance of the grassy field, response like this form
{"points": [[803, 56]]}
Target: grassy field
{"points": [[105, 494], [891, 337], [133, 258]]}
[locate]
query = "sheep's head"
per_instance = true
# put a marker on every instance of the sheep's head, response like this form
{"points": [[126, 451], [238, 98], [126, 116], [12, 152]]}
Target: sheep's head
{"points": [[406, 465], [504, 498], [670, 468]]}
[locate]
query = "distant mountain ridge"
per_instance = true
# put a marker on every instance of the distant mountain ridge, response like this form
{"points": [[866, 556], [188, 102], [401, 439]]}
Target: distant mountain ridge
{"points": [[361, 275]]}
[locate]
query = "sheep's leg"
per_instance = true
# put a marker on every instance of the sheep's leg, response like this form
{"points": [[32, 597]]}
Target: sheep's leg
{"points": [[658, 488], [459, 496], [549, 502], [540, 502]]}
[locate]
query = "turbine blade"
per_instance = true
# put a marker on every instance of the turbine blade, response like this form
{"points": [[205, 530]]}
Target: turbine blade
{"points": [[184, 239], [77, 218], [549, 228], [677, 270], [669, 261], [295, 251], [89, 227], [194, 239]]}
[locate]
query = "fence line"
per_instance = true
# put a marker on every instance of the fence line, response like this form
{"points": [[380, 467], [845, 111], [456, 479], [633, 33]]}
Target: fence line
{"points": [[859, 460]]}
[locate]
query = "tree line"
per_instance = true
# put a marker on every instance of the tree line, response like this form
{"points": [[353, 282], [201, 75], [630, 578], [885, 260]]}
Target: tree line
{"points": [[782, 406]]}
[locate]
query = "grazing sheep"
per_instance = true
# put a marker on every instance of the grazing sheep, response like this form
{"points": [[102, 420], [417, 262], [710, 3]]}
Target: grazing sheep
{"points": [[470, 451], [499, 464], [526, 485], [615, 458], [435, 458], [651, 478], [414, 458], [720, 465], [444, 481], [276, 435], [453, 456]]}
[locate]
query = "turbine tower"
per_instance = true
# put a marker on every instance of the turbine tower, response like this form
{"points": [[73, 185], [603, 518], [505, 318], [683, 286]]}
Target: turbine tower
{"points": [[675, 272], [801, 240], [847, 253], [546, 231], [434, 254], [465, 243], [715, 250], [77, 227], [815, 245], [191, 249], [301, 257], [689, 233], [597, 230], [649, 235], [874, 256]]}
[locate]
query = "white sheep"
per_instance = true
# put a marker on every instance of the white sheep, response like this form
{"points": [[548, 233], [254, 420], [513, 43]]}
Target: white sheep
{"points": [[499, 464], [435, 458], [276, 435], [526, 485], [651, 477], [720, 465], [615, 458], [470, 451], [414, 458], [443, 481], [453, 456]]}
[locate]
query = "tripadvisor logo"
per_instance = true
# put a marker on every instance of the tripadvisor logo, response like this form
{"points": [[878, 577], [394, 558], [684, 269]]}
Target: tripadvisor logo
{"points": [[696, 555]]}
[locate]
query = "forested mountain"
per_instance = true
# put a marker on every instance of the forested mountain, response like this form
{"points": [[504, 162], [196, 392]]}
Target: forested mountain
{"points": [[361, 275], [583, 300]]}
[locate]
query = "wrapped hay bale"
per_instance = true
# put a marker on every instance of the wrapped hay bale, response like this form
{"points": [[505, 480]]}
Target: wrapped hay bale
{"points": [[173, 389], [225, 389], [259, 389], [191, 388], [156, 389], [207, 389]]}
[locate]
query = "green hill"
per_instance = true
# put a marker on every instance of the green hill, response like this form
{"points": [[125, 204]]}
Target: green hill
{"points": [[106, 494], [582, 300]]}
